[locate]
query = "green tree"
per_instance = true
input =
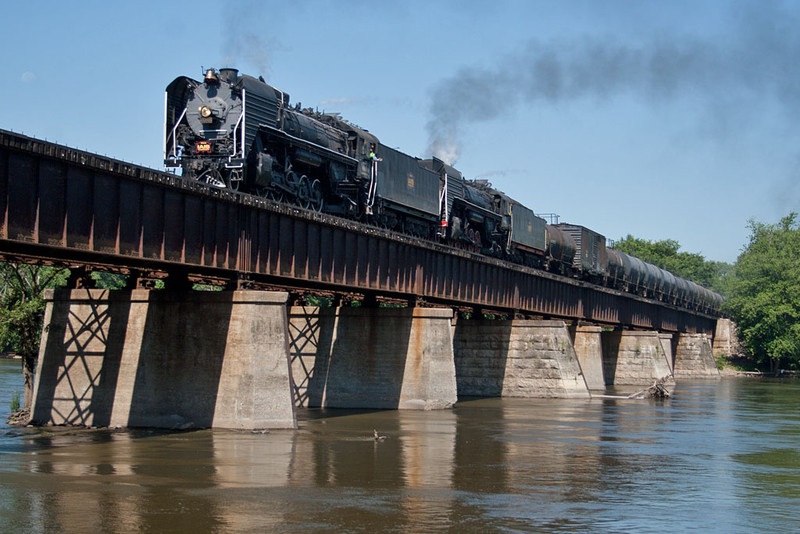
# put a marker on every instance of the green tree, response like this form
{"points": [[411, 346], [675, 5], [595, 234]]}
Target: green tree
{"points": [[21, 311], [764, 293], [109, 280], [666, 255]]}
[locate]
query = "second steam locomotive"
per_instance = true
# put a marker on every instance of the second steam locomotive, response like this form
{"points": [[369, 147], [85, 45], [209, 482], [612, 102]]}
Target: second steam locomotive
{"points": [[237, 132]]}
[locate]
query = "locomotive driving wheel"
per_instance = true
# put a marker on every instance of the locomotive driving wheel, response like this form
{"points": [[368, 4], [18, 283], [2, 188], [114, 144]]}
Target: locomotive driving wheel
{"points": [[315, 198], [303, 192], [234, 179], [290, 181], [471, 237], [273, 190], [264, 192]]}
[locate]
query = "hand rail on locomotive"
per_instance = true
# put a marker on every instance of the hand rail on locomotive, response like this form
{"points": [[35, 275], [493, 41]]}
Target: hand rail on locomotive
{"points": [[510, 239], [174, 156], [373, 186], [443, 207], [234, 153], [242, 118], [303, 142]]}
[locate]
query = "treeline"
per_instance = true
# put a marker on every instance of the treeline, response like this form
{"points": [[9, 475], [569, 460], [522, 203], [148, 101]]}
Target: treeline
{"points": [[763, 295], [761, 290]]}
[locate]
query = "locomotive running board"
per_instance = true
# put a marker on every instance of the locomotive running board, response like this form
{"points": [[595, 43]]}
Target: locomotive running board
{"points": [[307, 144]]}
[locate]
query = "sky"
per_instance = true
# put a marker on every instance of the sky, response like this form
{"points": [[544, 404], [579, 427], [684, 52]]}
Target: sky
{"points": [[663, 120]]}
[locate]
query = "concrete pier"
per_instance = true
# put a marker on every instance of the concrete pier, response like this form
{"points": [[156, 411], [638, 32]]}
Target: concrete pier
{"points": [[588, 344], [633, 358], [726, 342], [244, 360], [383, 358], [694, 357], [518, 358], [166, 360]]}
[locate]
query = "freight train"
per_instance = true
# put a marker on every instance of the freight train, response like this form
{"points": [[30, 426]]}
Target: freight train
{"points": [[236, 132]]}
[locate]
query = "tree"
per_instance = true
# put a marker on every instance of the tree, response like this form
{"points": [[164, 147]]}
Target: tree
{"points": [[109, 280], [665, 254], [764, 293], [21, 311]]}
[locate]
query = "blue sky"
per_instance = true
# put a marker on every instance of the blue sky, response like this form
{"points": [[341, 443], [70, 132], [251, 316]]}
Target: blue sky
{"points": [[665, 120]]}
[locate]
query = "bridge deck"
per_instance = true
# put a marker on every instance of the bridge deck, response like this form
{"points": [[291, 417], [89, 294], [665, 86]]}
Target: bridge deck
{"points": [[71, 207]]}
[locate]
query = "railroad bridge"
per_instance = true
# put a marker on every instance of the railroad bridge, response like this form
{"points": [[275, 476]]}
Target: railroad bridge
{"points": [[244, 357]]}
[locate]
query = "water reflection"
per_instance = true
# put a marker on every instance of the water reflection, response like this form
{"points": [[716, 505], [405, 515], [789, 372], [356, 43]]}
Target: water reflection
{"points": [[719, 456]]}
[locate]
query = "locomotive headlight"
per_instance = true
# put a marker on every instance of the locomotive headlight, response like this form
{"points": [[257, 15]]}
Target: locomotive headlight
{"points": [[205, 112]]}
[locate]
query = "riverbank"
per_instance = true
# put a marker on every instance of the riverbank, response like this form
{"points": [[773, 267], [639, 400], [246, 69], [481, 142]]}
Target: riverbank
{"points": [[783, 373]]}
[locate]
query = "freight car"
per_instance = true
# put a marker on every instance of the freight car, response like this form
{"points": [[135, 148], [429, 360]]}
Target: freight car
{"points": [[237, 132]]}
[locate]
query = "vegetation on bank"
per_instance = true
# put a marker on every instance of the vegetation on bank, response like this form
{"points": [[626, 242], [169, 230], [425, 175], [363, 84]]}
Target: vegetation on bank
{"points": [[21, 311], [763, 294]]}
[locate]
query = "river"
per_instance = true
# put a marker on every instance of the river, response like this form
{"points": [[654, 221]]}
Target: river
{"points": [[719, 456]]}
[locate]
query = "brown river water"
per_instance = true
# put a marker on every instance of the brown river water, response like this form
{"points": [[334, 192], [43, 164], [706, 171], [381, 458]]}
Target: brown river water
{"points": [[719, 456]]}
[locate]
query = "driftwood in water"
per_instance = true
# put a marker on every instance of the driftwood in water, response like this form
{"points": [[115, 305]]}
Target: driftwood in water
{"points": [[657, 391], [19, 418]]}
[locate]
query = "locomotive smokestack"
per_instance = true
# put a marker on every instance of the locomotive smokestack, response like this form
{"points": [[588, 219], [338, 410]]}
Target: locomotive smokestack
{"points": [[228, 75]]}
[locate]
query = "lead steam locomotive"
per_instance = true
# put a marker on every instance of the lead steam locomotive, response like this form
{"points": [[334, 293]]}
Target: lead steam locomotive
{"points": [[236, 132]]}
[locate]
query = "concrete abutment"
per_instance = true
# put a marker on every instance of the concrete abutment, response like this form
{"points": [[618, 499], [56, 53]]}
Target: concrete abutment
{"points": [[726, 342], [193, 359]]}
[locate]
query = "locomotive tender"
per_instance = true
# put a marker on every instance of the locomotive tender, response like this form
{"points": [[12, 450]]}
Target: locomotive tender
{"points": [[237, 132]]}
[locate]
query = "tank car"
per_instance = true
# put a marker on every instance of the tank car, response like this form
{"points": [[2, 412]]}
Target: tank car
{"points": [[594, 261], [561, 249]]}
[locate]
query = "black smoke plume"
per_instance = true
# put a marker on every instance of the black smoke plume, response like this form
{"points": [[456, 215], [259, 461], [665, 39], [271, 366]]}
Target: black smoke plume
{"points": [[756, 60]]}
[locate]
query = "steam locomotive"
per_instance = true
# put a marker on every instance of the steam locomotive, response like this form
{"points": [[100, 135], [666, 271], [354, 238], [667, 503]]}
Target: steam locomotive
{"points": [[236, 132]]}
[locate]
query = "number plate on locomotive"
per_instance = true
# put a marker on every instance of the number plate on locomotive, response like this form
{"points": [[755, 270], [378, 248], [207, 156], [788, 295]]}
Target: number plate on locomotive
{"points": [[203, 146]]}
